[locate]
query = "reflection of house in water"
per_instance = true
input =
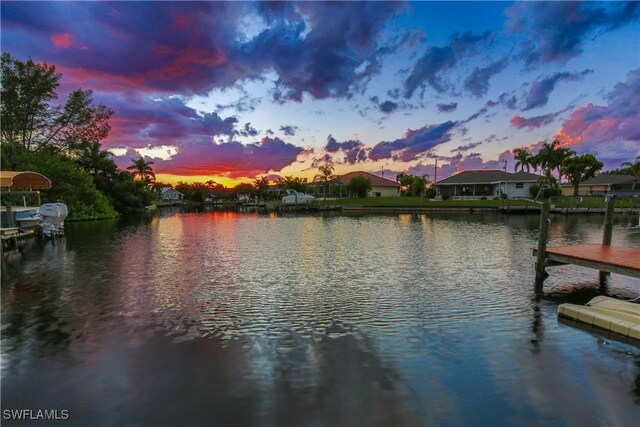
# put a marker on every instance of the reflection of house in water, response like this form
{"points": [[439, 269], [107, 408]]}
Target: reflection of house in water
{"points": [[488, 183], [622, 185]]}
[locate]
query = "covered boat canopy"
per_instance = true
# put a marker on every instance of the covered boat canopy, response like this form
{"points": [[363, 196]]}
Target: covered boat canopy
{"points": [[14, 180]]}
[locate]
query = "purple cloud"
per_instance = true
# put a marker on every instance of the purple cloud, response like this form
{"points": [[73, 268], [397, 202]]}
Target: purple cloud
{"points": [[288, 130], [508, 100], [466, 147], [538, 95], [388, 107], [536, 122], [555, 31], [436, 60], [610, 132], [447, 108], [478, 81], [140, 121], [248, 131], [193, 47], [231, 159], [354, 151], [414, 142]]}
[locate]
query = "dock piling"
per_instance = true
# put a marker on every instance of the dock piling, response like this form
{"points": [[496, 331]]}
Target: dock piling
{"points": [[608, 222], [608, 232], [543, 237]]}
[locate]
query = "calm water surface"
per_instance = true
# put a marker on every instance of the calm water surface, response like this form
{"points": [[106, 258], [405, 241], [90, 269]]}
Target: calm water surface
{"points": [[223, 319]]}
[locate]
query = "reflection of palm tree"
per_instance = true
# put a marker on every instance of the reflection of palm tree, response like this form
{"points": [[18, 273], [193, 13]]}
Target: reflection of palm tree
{"points": [[326, 174], [142, 169]]}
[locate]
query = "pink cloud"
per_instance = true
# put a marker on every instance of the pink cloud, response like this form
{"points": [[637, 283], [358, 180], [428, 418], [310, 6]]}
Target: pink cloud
{"points": [[62, 40]]}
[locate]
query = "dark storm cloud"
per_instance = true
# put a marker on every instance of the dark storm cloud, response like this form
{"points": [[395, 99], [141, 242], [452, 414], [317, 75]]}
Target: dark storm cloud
{"points": [[556, 31]]}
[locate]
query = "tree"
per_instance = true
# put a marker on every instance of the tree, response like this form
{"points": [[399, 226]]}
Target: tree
{"points": [[142, 170], [404, 180], [524, 160], [261, 185], [551, 157], [359, 185], [293, 183], [418, 184], [632, 169], [580, 168], [69, 184], [325, 176], [30, 121]]}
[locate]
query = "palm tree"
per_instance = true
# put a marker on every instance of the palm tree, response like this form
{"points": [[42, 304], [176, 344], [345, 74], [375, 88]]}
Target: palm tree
{"points": [[551, 156], [633, 169], [261, 185], [142, 169], [524, 160], [326, 174]]}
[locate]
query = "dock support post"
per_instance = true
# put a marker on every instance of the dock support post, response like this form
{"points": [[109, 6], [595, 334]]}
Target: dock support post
{"points": [[543, 236], [10, 220], [608, 222], [608, 232]]}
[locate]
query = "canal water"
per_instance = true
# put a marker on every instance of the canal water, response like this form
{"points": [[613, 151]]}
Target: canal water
{"points": [[225, 319]]}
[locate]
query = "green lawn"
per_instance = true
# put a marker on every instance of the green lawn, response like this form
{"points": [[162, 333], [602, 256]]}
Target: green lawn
{"points": [[424, 202], [592, 202]]}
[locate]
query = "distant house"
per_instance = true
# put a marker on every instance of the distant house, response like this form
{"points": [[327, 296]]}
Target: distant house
{"points": [[623, 185], [380, 187], [488, 183], [170, 195]]}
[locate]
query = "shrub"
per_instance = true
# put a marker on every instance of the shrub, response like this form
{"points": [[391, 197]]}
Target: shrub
{"points": [[446, 196], [533, 190], [430, 193], [504, 196]]}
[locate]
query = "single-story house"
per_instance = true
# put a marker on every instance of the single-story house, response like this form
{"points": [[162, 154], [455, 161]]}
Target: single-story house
{"points": [[623, 185], [170, 194], [488, 183], [380, 187]]}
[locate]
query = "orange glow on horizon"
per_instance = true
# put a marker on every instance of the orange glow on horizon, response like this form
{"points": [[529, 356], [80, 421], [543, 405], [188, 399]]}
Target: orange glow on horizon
{"points": [[190, 179]]}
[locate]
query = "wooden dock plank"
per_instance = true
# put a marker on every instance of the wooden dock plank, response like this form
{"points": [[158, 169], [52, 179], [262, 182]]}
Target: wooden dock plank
{"points": [[614, 259]]}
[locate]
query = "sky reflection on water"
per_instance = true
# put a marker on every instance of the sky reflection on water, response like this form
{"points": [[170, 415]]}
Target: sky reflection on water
{"points": [[222, 318]]}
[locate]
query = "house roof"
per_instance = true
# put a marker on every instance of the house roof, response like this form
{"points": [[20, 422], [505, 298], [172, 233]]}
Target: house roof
{"points": [[167, 189], [606, 179], [488, 177], [14, 180], [376, 181]]}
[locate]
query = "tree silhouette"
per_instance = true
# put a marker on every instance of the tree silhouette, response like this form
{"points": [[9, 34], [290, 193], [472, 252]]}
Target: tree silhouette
{"points": [[325, 176], [142, 169]]}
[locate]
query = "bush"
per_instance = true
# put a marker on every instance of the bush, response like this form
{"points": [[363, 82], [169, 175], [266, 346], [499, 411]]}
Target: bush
{"points": [[69, 185], [430, 193], [533, 190], [446, 196], [360, 186], [504, 196]]}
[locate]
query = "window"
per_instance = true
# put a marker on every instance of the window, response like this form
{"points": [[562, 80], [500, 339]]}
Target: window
{"points": [[519, 185]]}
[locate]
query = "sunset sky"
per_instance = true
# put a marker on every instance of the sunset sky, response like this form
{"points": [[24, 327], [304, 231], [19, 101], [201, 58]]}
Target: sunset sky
{"points": [[233, 91]]}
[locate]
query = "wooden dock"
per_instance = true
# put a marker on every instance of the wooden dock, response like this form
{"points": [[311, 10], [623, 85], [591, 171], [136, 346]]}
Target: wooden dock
{"points": [[613, 259], [604, 257]]}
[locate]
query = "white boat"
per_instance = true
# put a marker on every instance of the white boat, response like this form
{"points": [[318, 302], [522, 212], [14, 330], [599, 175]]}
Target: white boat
{"points": [[53, 216], [26, 217], [296, 198]]}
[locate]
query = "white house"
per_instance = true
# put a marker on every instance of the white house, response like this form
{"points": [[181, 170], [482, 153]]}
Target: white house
{"points": [[171, 195], [380, 187], [488, 183]]}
